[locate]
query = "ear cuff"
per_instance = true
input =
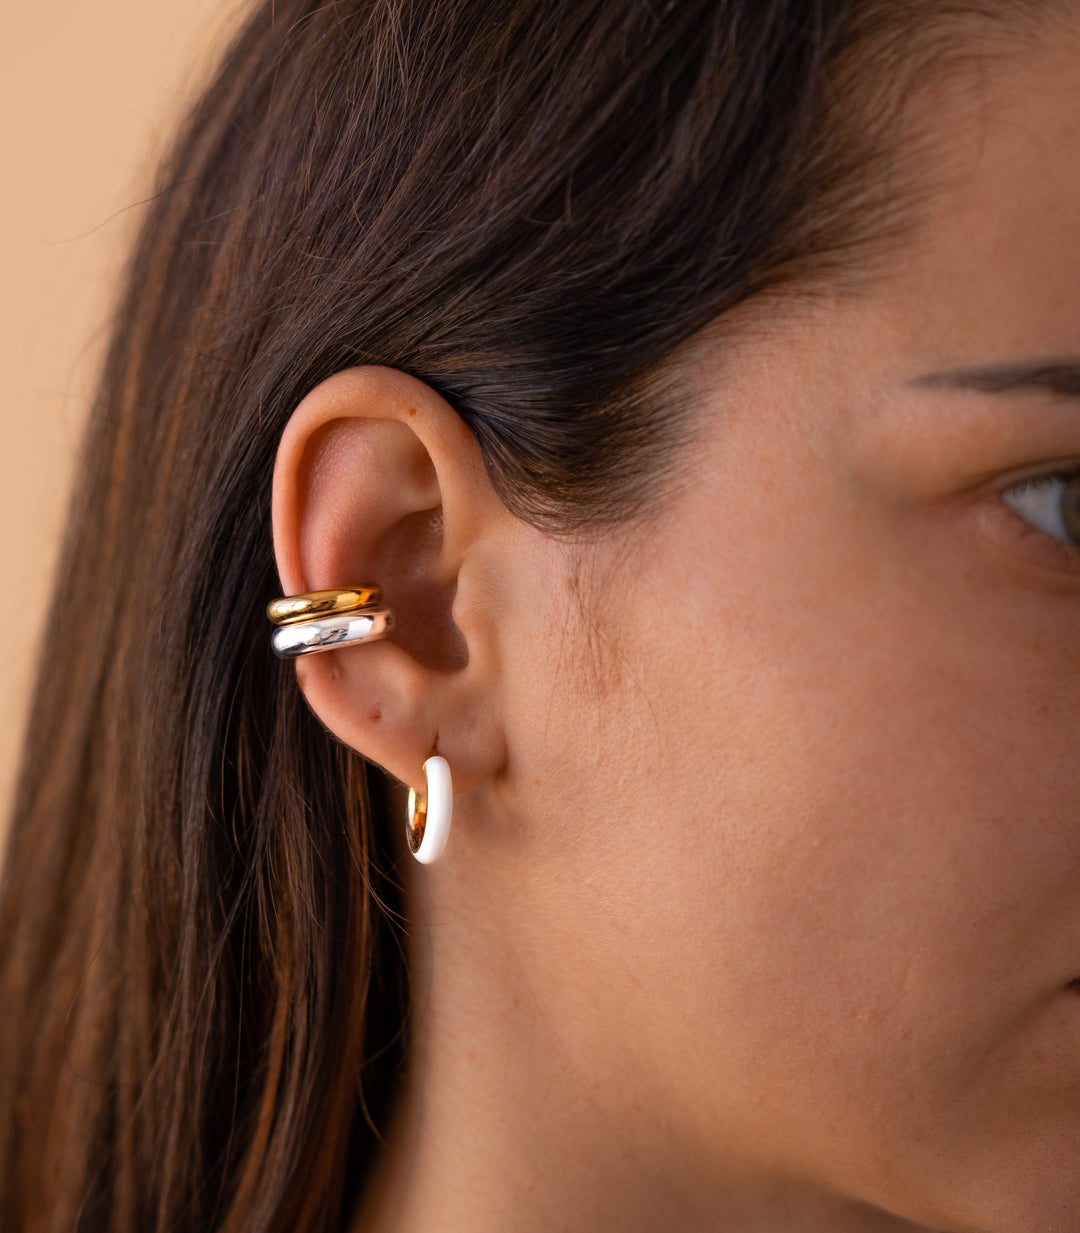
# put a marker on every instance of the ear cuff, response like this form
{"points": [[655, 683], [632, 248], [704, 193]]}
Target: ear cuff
{"points": [[322, 620]]}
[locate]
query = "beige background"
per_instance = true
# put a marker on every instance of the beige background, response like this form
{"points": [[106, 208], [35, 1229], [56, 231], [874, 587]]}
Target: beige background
{"points": [[88, 93]]}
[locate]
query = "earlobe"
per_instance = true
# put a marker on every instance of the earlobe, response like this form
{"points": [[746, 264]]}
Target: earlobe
{"points": [[378, 482]]}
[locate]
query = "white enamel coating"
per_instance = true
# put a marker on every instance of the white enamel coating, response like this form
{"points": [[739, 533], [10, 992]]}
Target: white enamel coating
{"points": [[440, 810]]}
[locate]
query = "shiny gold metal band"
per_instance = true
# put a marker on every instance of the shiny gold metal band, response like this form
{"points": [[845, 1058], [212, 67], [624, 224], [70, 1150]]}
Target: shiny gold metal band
{"points": [[292, 608], [416, 819]]}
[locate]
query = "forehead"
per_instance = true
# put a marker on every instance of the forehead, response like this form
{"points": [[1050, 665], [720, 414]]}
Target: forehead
{"points": [[996, 265], [989, 274]]}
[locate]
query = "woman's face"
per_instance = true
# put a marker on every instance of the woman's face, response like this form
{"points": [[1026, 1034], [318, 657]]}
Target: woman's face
{"points": [[804, 812]]}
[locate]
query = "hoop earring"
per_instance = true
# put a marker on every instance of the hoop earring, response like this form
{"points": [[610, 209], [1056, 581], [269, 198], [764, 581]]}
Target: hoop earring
{"points": [[427, 822], [322, 620]]}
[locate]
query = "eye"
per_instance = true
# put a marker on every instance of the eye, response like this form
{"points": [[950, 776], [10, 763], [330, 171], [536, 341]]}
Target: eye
{"points": [[1050, 503]]}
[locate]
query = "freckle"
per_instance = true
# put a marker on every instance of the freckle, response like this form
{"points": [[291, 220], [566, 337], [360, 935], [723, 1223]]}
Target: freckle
{"points": [[412, 410], [517, 1002]]}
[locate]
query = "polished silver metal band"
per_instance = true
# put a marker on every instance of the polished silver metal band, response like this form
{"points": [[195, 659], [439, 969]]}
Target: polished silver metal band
{"points": [[305, 637]]}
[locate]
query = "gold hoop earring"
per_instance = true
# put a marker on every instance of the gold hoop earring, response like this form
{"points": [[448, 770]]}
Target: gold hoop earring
{"points": [[429, 814]]}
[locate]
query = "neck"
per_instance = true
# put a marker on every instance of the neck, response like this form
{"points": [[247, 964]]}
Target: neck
{"points": [[515, 1114]]}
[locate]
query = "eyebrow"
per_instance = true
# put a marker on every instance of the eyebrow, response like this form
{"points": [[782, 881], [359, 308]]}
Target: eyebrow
{"points": [[1053, 376]]}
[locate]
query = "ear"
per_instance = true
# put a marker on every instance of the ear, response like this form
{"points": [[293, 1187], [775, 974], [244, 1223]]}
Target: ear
{"points": [[378, 480]]}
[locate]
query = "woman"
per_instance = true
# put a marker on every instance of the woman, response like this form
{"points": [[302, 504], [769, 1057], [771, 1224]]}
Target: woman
{"points": [[688, 391]]}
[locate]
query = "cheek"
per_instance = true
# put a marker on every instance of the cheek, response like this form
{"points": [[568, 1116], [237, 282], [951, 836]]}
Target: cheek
{"points": [[853, 825], [884, 749]]}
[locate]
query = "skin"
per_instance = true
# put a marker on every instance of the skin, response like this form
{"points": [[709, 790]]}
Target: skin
{"points": [[760, 909]]}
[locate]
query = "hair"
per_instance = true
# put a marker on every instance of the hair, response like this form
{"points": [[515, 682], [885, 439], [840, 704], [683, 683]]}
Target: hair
{"points": [[529, 205]]}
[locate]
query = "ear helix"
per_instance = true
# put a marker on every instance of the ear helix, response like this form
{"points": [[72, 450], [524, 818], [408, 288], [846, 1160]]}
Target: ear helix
{"points": [[322, 620]]}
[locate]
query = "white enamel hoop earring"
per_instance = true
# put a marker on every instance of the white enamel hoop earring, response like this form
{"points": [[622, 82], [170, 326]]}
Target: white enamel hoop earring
{"points": [[427, 823]]}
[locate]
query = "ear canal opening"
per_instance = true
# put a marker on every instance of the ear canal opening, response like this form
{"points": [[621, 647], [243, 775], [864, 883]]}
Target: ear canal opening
{"points": [[421, 600]]}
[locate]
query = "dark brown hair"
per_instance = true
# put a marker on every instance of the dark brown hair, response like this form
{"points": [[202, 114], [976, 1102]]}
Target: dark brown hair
{"points": [[526, 203]]}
